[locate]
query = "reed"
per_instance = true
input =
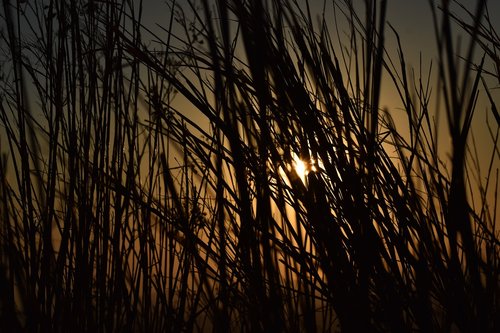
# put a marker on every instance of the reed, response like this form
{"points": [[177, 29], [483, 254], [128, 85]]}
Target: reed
{"points": [[150, 180]]}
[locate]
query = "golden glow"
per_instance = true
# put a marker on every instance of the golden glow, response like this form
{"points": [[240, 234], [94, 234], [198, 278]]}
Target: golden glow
{"points": [[300, 168], [303, 167]]}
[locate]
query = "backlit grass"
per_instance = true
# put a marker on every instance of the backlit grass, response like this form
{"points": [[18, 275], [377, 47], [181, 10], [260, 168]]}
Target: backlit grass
{"points": [[234, 170]]}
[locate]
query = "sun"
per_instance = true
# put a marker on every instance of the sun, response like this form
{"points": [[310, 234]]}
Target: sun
{"points": [[303, 167], [300, 168]]}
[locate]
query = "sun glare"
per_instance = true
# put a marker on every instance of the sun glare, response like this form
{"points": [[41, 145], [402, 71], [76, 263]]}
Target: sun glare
{"points": [[300, 168], [303, 167]]}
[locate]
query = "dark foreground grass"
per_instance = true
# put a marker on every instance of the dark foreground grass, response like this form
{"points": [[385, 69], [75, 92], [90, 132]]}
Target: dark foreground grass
{"points": [[124, 209]]}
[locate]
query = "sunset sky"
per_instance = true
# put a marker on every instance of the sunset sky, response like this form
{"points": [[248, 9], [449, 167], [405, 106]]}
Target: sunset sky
{"points": [[413, 22]]}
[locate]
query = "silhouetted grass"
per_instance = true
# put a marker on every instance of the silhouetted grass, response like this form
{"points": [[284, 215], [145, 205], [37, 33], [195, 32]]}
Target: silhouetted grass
{"points": [[149, 180]]}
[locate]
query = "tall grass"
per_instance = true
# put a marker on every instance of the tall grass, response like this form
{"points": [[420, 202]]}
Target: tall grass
{"points": [[149, 178]]}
